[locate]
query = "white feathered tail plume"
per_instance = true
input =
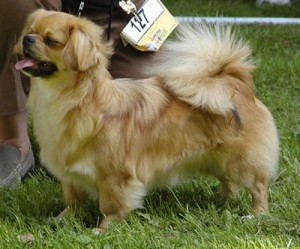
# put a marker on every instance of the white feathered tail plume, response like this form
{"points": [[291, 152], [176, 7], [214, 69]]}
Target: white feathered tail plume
{"points": [[204, 66]]}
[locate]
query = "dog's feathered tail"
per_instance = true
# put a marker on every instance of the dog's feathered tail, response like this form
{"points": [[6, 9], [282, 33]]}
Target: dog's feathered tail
{"points": [[205, 65]]}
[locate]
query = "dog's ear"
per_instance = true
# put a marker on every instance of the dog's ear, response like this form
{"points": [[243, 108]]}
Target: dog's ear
{"points": [[84, 48]]}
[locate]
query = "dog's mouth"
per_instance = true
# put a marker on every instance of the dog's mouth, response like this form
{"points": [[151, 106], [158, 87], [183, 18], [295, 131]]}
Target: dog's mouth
{"points": [[35, 67]]}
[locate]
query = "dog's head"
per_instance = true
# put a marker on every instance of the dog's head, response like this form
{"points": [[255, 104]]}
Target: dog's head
{"points": [[52, 42]]}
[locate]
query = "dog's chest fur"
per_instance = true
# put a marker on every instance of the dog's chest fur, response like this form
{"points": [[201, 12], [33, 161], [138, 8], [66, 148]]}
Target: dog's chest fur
{"points": [[61, 156]]}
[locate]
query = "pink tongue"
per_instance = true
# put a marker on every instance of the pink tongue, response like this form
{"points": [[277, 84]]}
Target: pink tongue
{"points": [[28, 62]]}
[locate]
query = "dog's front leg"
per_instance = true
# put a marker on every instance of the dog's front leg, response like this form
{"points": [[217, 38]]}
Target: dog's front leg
{"points": [[119, 195], [73, 198], [112, 202]]}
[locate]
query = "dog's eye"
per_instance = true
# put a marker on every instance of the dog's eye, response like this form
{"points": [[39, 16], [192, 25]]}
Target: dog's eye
{"points": [[49, 41]]}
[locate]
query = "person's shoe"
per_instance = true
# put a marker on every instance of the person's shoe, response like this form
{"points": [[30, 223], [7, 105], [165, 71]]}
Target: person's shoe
{"points": [[12, 168]]}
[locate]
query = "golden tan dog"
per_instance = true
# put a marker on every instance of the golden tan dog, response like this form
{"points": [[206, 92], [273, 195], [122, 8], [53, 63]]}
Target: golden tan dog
{"points": [[196, 113]]}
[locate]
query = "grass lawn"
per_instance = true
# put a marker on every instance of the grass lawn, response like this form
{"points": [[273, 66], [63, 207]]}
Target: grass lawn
{"points": [[193, 215]]}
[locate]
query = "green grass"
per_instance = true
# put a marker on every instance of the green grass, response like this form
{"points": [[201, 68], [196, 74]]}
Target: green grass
{"points": [[193, 215]]}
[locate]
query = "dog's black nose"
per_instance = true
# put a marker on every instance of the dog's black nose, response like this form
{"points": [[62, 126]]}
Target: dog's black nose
{"points": [[28, 40]]}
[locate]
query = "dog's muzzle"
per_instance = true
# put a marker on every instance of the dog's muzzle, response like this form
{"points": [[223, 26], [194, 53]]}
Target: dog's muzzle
{"points": [[30, 63]]}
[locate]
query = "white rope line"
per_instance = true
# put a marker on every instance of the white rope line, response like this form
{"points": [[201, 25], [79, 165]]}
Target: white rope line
{"points": [[240, 20]]}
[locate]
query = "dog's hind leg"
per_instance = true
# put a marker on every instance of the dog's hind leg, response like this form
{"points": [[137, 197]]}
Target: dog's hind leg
{"points": [[254, 179], [250, 175], [259, 193]]}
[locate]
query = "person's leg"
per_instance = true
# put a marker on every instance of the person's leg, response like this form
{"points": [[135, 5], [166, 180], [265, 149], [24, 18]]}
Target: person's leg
{"points": [[15, 155], [13, 131]]}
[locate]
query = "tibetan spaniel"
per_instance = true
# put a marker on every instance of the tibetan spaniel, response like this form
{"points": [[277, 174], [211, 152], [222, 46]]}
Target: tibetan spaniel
{"points": [[196, 113]]}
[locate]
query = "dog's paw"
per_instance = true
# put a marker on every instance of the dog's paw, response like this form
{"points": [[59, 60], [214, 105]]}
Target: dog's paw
{"points": [[247, 217], [97, 230]]}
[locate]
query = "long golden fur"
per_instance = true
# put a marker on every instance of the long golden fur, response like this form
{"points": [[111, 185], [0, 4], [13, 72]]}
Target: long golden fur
{"points": [[196, 113]]}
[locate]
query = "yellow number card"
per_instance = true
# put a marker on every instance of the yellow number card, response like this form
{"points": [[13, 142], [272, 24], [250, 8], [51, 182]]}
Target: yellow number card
{"points": [[151, 29]]}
